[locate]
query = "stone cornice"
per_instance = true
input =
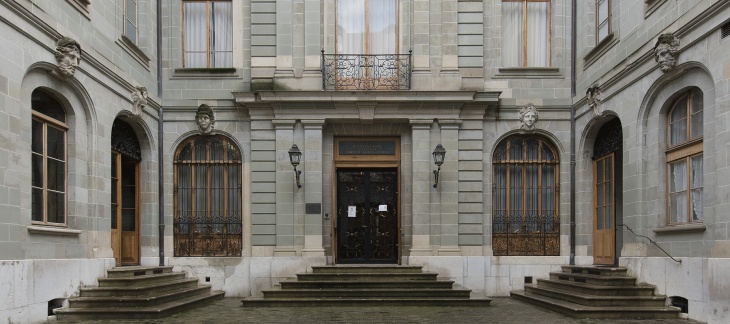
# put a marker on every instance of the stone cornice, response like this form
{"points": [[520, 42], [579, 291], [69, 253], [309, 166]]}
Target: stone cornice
{"points": [[371, 96]]}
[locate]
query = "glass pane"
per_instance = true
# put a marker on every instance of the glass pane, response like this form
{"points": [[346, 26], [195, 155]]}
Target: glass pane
{"points": [[678, 122], [115, 182], [56, 207], [56, 143], [382, 26], [697, 101], [600, 171], [350, 27], [37, 141], [697, 205], [600, 194], [221, 37], [56, 175], [128, 196], [130, 31], [533, 149], [538, 34], [602, 10], [45, 103], [515, 150], [132, 10], [37, 170], [678, 207], [600, 218], [697, 126], [609, 168], [128, 221], [37, 204], [697, 174], [678, 176], [195, 34], [602, 31]]}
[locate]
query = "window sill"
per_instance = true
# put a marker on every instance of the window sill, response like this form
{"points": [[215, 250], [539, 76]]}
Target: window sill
{"points": [[680, 229], [205, 73], [600, 49], [132, 49], [651, 6], [50, 230], [528, 73], [81, 6]]}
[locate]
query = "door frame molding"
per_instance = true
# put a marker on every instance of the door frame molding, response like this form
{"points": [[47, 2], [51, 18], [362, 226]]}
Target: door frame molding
{"points": [[362, 161]]}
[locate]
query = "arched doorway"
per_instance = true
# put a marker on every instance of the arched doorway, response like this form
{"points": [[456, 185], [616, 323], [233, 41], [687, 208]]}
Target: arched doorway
{"points": [[607, 203], [126, 155]]}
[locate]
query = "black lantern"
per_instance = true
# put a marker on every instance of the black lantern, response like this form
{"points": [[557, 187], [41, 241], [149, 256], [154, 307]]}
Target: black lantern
{"points": [[295, 156], [438, 158]]}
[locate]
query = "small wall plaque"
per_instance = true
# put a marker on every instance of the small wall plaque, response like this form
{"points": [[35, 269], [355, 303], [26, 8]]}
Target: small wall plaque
{"points": [[313, 208], [367, 147]]}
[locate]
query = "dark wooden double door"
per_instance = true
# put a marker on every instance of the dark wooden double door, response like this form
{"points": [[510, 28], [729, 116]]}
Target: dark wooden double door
{"points": [[367, 215]]}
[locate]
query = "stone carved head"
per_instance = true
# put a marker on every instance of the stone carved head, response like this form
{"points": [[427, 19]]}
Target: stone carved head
{"points": [[139, 99], [528, 116], [665, 51], [204, 118], [68, 56], [593, 96]]}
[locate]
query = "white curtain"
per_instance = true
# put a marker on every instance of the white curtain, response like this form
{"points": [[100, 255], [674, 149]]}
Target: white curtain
{"points": [[512, 34], [350, 27], [697, 188], [382, 26], [678, 191], [538, 34], [195, 38], [221, 39]]}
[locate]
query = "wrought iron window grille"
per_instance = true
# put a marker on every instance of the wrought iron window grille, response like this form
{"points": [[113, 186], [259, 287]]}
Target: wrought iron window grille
{"points": [[378, 72]]}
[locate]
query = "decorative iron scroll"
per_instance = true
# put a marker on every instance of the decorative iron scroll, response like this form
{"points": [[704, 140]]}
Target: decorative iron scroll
{"points": [[525, 194], [208, 201], [124, 140], [366, 72], [609, 139], [367, 216]]}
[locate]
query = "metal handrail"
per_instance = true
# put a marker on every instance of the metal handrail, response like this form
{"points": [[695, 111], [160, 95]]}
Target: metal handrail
{"points": [[650, 240], [372, 72]]}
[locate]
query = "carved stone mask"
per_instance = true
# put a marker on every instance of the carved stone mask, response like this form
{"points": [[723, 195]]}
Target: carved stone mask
{"points": [[68, 56], [204, 118]]}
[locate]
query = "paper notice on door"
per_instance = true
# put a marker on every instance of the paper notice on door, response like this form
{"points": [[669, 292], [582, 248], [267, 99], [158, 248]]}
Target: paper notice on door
{"points": [[351, 211], [383, 208]]}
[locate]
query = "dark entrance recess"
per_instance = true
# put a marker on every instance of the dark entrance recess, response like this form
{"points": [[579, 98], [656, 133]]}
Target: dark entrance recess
{"points": [[367, 215]]}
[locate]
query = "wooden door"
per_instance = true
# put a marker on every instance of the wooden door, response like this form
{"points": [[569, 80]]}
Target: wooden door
{"points": [[604, 210], [125, 210]]}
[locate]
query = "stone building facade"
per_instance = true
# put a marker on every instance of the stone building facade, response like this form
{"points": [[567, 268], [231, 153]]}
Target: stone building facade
{"points": [[179, 118]]}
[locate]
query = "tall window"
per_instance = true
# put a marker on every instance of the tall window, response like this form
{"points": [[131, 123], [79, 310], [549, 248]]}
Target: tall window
{"points": [[526, 33], [525, 197], [48, 146], [130, 20], [603, 19], [208, 41], [207, 219], [684, 159], [367, 26]]}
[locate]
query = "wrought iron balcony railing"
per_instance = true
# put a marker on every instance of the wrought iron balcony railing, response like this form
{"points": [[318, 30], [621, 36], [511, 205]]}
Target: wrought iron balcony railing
{"points": [[366, 72]]}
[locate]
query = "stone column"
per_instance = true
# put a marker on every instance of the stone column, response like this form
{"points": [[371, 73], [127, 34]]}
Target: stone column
{"points": [[286, 189], [312, 172], [284, 39], [421, 187]]}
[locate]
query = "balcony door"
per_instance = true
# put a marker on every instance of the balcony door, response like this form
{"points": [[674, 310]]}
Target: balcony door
{"points": [[125, 216]]}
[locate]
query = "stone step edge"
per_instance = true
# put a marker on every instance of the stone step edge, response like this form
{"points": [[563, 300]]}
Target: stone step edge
{"points": [[336, 301], [593, 277], [158, 309], [152, 285], [590, 297], [577, 308], [138, 298], [594, 286]]}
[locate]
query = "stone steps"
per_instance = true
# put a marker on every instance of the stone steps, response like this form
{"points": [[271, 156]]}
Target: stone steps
{"points": [[596, 292], [137, 293], [354, 285]]}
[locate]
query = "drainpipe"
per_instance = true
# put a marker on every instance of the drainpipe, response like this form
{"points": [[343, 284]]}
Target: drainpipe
{"points": [[160, 181], [572, 131]]}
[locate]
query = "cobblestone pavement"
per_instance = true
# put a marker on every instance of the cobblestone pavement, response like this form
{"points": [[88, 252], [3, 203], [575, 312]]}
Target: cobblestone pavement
{"points": [[502, 310]]}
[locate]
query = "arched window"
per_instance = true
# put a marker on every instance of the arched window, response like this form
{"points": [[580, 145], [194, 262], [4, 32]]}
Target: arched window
{"points": [[207, 219], [525, 217], [48, 145], [684, 159]]}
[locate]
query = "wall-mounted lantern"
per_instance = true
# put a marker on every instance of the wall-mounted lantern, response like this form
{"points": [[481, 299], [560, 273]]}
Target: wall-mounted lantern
{"points": [[438, 158], [295, 156]]}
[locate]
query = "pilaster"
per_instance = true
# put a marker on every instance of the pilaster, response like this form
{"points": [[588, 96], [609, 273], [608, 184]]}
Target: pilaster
{"points": [[421, 186], [312, 172], [286, 189]]}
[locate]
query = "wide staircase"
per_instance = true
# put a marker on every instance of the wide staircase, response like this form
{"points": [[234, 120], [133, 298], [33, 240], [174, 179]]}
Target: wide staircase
{"points": [[366, 286], [596, 292], [137, 293]]}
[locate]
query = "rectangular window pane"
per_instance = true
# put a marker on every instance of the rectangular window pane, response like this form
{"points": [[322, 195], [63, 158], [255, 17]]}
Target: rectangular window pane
{"points": [[697, 126], [600, 218], [56, 175], [37, 204], [37, 170], [55, 146], [130, 20], [538, 34], [37, 142], [678, 191], [350, 27], [512, 36], [221, 37], [114, 201], [128, 221], [602, 31], [195, 35], [382, 26], [56, 207], [602, 11], [697, 188]]}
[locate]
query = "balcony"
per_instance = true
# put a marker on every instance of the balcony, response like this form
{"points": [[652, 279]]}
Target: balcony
{"points": [[387, 72]]}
